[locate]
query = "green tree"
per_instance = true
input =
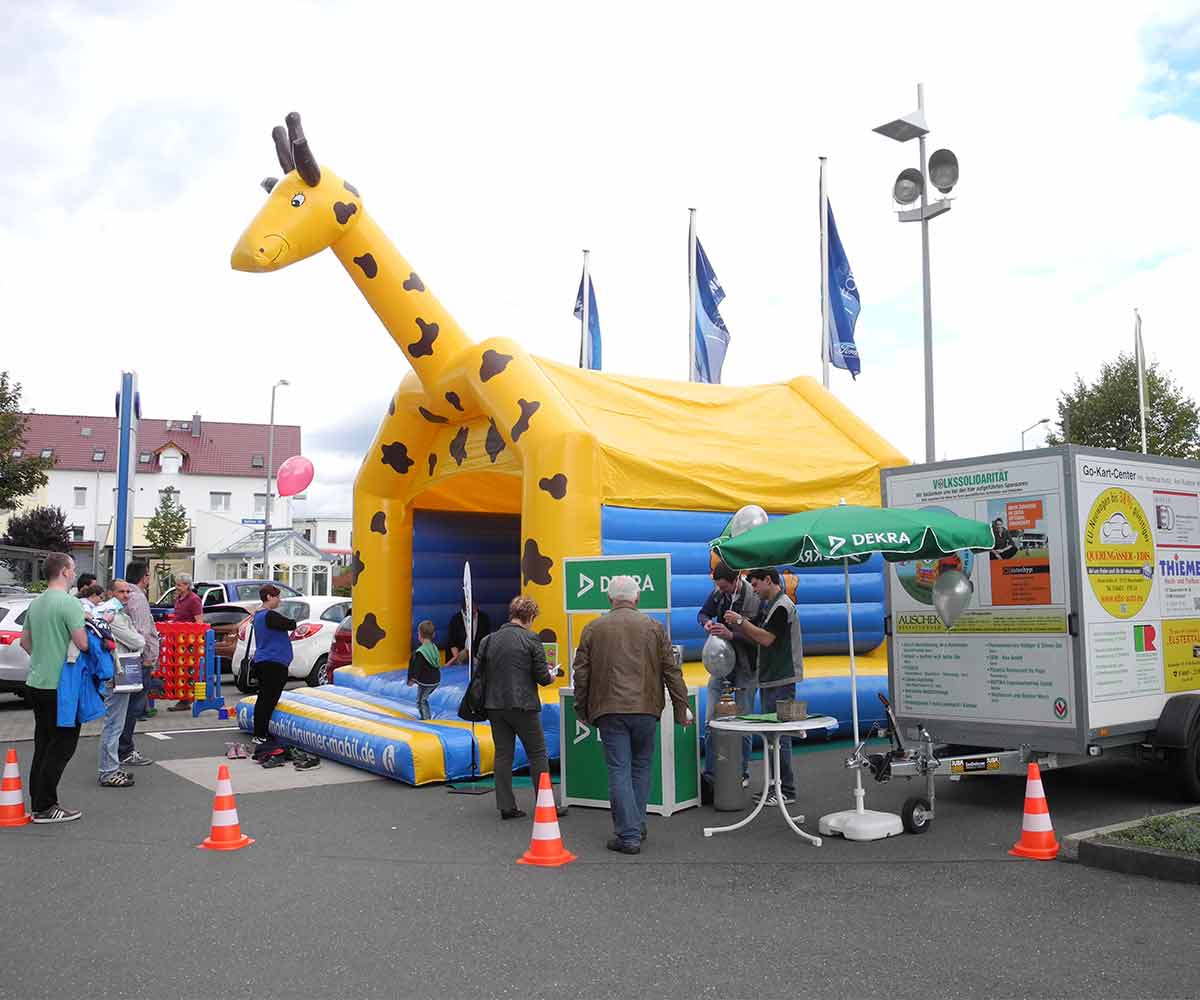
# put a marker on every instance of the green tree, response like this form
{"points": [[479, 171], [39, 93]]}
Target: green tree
{"points": [[18, 476], [168, 528], [39, 528], [1105, 413]]}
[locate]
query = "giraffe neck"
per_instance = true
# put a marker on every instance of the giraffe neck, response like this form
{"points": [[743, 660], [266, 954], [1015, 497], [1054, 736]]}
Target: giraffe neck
{"points": [[425, 331]]}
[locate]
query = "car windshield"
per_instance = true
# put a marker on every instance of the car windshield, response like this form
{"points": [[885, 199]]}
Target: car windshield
{"points": [[249, 591], [296, 610]]}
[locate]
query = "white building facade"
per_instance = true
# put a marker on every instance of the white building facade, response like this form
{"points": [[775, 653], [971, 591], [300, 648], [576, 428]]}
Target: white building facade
{"points": [[331, 533]]}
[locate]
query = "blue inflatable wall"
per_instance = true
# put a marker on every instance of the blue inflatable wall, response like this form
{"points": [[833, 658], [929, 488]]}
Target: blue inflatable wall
{"points": [[820, 593]]}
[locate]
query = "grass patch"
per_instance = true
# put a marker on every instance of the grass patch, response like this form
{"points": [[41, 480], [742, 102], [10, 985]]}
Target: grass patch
{"points": [[1166, 833]]}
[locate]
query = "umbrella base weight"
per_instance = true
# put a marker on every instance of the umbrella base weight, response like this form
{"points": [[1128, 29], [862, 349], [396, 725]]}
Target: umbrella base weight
{"points": [[865, 825]]}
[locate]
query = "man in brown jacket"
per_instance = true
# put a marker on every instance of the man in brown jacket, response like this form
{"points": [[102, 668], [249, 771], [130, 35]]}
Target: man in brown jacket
{"points": [[621, 665]]}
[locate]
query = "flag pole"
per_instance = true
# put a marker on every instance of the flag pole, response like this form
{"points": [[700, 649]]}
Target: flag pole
{"points": [[824, 277], [691, 361], [585, 347], [1140, 355]]}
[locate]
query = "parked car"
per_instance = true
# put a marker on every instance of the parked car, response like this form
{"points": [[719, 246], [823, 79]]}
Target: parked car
{"points": [[225, 620], [14, 661], [317, 619], [220, 592], [12, 590], [340, 651]]}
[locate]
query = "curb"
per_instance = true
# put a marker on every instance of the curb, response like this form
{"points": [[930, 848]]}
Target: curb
{"points": [[1093, 848]]}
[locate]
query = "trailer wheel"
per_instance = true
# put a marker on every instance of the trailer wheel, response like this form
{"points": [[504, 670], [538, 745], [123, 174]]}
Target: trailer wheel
{"points": [[915, 814], [1185, 768]]}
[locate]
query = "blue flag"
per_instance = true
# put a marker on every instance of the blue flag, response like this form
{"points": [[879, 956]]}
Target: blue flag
{"points": [[589, 346], [844, 305], [711, 338]]}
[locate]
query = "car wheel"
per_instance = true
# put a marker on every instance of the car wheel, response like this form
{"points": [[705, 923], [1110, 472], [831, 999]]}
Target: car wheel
{"points": [[319, 674]]}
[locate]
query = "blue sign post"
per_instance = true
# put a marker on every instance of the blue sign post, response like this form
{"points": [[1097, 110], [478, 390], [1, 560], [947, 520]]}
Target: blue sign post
{"points": [[129, 412]]}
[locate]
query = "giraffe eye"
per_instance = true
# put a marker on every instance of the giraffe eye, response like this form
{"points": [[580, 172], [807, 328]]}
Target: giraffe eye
{"points": [[298, 199]]}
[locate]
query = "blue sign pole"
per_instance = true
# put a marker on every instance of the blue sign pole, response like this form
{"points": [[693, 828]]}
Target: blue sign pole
{"points": [[129, 412]]}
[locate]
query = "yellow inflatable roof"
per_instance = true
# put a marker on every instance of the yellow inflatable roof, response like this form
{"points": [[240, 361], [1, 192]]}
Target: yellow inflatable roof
{"points": [[786, 446]]}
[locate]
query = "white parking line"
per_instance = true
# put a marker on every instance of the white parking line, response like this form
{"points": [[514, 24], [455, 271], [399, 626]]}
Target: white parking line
{"points": [[161, 734], [157, 736]]}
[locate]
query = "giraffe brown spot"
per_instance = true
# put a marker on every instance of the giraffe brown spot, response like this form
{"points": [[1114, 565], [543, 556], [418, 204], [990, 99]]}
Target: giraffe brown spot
{"points": [[357, 568], [351, 188], [492, 364], [379, 522], [342, 211], [433, 418], [458, 447], [453, 400], [369, 634], [494, 443], [368, 265], [432, 462], [556, 485], [535, 567], [548, 635], [413, 284], [424, 347], [396, 455], [528, 409]]}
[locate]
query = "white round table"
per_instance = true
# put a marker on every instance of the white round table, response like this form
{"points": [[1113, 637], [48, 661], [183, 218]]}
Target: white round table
{"points": [[771, 733]]}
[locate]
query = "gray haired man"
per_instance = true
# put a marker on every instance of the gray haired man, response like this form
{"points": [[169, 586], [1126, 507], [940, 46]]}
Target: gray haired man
{"points": [[623, 661]]}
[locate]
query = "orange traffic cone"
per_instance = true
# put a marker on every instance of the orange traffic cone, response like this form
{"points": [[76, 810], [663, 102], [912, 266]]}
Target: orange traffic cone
{"points": [[546, 846], [226, 830], [1037, 832], [12, 798]]}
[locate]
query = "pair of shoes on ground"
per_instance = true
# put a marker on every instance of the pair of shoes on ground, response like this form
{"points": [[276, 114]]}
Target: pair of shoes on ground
{"points": [[788, 799], [116, 779], [56, 814], [136, 758]]}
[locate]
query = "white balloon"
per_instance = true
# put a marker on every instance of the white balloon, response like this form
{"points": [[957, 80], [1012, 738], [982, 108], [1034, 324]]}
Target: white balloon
{"points": [[750, 516], [952, 593], [718, 656]]}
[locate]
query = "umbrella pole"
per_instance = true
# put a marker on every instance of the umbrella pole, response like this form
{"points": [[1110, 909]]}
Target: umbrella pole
{"points": [[858, 786]]}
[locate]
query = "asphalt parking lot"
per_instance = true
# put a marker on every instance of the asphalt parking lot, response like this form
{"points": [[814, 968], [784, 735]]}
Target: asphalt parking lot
{"points": [[359, 886]]}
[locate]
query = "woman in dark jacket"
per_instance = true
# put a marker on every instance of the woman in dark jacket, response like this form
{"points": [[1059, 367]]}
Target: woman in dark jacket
{"points": [[513, 662], [272, 656]]}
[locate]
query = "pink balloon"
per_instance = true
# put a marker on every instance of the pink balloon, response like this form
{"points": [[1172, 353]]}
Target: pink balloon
{"points": [[294, 476]]}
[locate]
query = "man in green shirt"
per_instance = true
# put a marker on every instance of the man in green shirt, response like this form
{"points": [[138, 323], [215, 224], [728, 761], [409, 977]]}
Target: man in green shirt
{"points": [[53, 624]]}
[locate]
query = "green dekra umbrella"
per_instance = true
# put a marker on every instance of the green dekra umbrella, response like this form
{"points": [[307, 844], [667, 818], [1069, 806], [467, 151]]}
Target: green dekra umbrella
{"points": [[843, 535]]}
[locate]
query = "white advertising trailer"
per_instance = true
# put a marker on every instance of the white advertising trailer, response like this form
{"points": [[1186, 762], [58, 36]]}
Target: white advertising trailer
{"points": [[1083, 635]]}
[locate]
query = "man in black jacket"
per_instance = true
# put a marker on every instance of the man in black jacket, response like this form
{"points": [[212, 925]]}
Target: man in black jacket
{"points": [[513, 661]]}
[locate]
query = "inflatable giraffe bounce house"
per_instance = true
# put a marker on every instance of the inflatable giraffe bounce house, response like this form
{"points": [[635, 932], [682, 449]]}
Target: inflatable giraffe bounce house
{"points": [[510, 462]]}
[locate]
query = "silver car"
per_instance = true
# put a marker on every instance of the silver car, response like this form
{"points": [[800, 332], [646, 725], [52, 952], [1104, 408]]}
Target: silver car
{"points": [[14, 661]]}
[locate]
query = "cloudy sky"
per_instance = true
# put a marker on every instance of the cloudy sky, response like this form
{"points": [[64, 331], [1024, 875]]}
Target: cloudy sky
{"points": [[494, 141]]}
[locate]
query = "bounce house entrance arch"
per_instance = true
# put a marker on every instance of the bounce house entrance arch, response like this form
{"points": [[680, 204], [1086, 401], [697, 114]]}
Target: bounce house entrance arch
{"points": [[517, 462]]}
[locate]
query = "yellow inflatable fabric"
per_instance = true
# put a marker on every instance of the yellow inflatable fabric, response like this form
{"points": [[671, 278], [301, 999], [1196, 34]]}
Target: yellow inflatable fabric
{"points": [[487, 427]]}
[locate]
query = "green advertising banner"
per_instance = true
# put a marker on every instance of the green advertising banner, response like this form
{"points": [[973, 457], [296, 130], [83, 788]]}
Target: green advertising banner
{"points": [[585, 581]]}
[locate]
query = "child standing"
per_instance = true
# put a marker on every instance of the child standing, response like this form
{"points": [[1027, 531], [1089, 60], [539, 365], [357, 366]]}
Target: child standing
{"points": [[425, 667]]}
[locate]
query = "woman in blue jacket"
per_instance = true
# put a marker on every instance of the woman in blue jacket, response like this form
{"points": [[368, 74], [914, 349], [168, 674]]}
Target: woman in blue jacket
{"points": [[272, 655]]}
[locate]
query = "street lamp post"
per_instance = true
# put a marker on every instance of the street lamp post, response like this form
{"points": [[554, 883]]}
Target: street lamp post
{"points": [[270, 471], [1044, 420], [942, 167]]}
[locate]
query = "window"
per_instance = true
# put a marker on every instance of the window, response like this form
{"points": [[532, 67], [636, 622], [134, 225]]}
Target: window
{"points": [[219, 501], [260, 503], [47, 453], [332, 538], [336, 612], [308, 534], [215, 596], [80, 496], [143, 457], [257, 462], [85, 432], [170, 461], [17, 452], [76, 533], [296, 610], [98, 455], [320, 580]]}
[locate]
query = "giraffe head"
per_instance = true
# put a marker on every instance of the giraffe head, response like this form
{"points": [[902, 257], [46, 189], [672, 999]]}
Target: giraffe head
{"points": [[309, 209]]}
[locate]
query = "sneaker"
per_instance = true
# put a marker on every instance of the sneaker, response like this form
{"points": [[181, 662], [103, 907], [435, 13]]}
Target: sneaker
{"points": [[273, 761], [260, 740], [513, 814], [745, 781], [136, 759], [622, 847], [773, 800], [56, 814], [116, 779]]}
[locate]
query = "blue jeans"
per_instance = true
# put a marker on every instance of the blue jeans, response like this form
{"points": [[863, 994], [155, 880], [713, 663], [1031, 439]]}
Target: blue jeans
{"points": [[744, 697], [628, 751], [769, 697], [423, 693], [116, 707], [137, 706]]}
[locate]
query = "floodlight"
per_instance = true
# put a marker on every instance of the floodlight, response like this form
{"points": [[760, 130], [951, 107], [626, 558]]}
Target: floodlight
{"points": [[907, 188], [909, 126], [943, 170]]}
